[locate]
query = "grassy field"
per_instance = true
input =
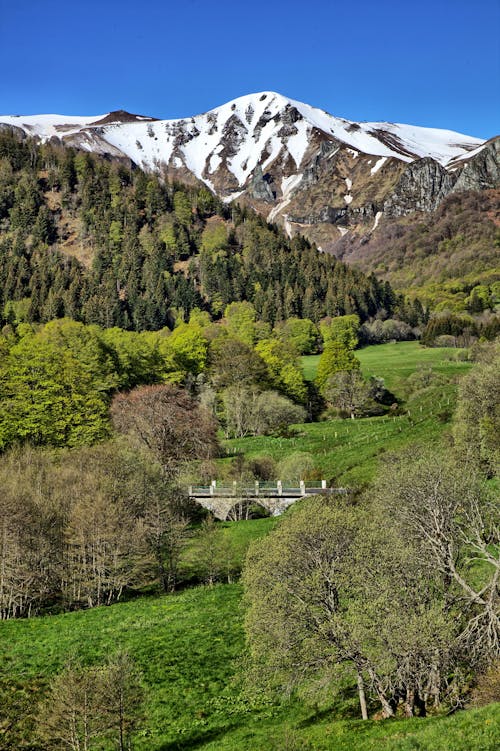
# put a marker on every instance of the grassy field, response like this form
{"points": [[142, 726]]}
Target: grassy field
{"points": [[396, 361], [348, 452], [188, 647]]}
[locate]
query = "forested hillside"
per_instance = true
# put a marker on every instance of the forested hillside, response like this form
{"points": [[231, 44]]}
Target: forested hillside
{"points": [[100, 242], [448, 257]]}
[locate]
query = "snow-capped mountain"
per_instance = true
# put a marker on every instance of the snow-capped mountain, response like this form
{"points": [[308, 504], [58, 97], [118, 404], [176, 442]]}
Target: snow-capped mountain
{"points": [[298, 165]]}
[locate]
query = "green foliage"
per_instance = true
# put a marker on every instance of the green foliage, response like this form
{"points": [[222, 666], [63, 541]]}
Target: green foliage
{"points": [[233, 362], [300, 334], [184, 351], [55, 387], [460, 330], [214, 237], [342, 329], [283, 367], [240, 321], [336, 357], [85, 238], [477, 423]]}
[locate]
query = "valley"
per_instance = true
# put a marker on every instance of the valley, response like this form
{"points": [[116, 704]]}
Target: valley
{"points": [[157, 332], [189, 646]]}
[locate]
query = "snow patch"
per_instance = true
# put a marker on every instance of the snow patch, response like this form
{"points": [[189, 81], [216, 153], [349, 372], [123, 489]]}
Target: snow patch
{"points": [[288, 226], [215, 162], [348, 199], [378, 165], [377, 220], [288, 184], [232, 197], [343, 230], [298, 143]]}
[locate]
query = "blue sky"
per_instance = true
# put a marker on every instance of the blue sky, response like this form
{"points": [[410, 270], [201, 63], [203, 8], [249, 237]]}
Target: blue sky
{"points": [[433, 63]]}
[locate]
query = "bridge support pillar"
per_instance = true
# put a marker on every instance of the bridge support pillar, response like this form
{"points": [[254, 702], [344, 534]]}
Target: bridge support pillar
{"points": [[302, 487], [280, 487]]}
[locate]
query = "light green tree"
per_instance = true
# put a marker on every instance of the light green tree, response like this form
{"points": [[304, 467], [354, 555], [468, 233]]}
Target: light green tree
{"points": [[342, 329], [239, 319], [184, 351], [283, 365], [336, 357], [300, 333]]}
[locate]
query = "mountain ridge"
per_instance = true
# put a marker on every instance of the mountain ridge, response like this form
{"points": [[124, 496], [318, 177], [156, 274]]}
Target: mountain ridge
{"points": [[309, 171]]}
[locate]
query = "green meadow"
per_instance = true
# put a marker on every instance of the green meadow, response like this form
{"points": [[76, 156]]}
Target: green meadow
{"points": [[348, 452], [189, 647]]}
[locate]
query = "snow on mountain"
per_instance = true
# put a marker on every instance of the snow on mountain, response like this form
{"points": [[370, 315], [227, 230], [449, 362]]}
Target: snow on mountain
{"points": [[296, 164], [253, 129], [47, 126]]}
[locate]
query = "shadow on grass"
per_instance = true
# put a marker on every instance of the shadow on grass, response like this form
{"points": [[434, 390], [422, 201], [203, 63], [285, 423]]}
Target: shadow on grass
{"points": [[197, 741], [344, 707]]}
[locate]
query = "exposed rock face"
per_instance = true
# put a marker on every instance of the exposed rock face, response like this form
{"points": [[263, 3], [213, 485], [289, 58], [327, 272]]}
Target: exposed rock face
{"points": [[259, 187], [422, 187], [314, 173], [20, 133], [482, 171]]}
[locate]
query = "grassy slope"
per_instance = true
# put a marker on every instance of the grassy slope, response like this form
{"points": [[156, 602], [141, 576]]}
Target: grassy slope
{"points": [[188, 646], [348, 451], [397, 361]]}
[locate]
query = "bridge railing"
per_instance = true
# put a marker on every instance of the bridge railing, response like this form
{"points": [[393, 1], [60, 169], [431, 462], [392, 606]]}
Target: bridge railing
{"points": [[256, 489]]}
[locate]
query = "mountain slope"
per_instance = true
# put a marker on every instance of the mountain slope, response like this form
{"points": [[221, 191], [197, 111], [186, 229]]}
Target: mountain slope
{"points": [[268, 150], [299, 166], [86, 237], [258, 124], [441, 256]]}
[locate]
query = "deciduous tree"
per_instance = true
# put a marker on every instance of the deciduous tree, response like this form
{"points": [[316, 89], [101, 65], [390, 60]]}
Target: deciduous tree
{"points": [[168, 422]]}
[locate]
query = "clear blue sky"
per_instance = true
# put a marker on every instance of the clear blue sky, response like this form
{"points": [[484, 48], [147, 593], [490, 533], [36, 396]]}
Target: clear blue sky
{"points": [[425, 62]]}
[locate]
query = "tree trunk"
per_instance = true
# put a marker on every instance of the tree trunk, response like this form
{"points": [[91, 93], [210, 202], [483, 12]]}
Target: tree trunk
{"points": [[420, 705], [409, 703], [362, 697], [387, 710]]}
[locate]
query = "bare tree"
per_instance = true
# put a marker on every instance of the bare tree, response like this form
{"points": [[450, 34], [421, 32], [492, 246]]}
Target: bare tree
{"points": [[449, 510], [69, 719], [165, 530], [86, 705], [168, 422], [348, 391]]}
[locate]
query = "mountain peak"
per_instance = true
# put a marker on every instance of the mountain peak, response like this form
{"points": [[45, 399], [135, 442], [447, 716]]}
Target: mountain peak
{"points": [[313, 172], [122, 116]]}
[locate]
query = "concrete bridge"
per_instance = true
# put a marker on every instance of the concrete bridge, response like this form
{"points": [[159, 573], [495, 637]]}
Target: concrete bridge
{"points": [[233, 502]]}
